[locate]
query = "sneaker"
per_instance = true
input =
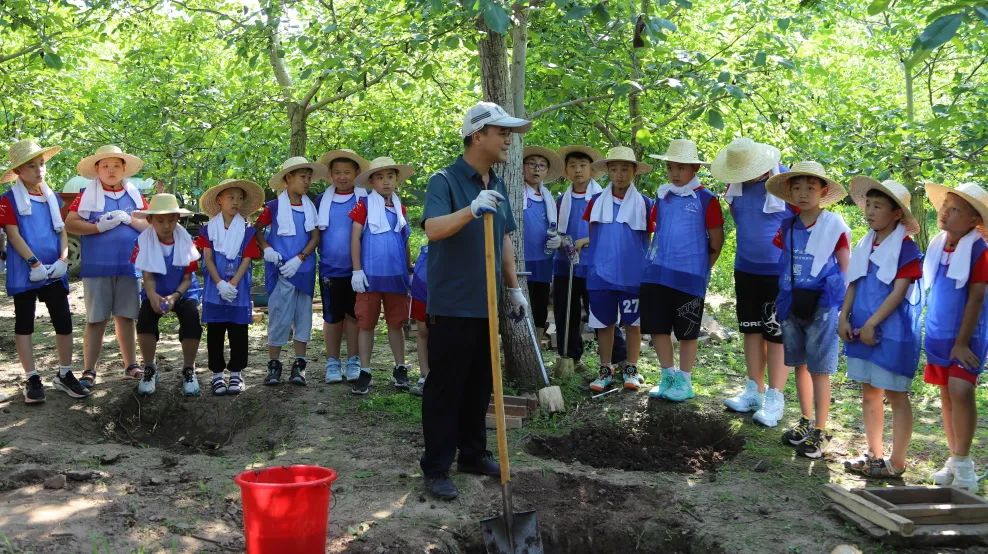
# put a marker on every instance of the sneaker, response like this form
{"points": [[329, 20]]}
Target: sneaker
{"points": [[352, 368], [34, 390], [665, 383], [218, 384], [748, 401], [237, 384], [605, 377], [798, 433], [399, 377], [484, 465], [334, 371], [814, 445], [772, 408], [965, 476], [441, 486], [70, 385], [363, 384], [632, 379], [274, 373], [681, 389], [298, 372], [945, 475], [190, 382], [418, 387], [145, 387]]}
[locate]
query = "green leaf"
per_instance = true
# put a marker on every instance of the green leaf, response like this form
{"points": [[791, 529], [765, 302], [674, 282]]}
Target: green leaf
{"points": [[496, 18], [940, 31], [982, 12], [760, 58], [783, 23], [878, 6], [715, 119], [52, 60], [661, 23], [601, 14]]}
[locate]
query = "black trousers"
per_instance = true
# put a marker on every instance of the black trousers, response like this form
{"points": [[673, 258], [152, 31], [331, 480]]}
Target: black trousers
{"points": [[579, 304], [538, 293], [215, 336], [457, 392], [55, 297]]}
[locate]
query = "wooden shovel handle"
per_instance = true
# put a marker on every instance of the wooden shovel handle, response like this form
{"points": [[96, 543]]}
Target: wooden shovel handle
{"points": [[502, 435]]}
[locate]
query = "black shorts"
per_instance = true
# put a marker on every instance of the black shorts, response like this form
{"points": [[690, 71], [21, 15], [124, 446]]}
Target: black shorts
{"points": [[755, 296], [338, 299], [666, 310], [55, 297], [187, 312]]}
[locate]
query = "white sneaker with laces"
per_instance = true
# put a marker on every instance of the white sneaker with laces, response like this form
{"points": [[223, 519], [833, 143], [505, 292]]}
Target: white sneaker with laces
{"points": [[965, 476], [748, 401], [772, 409], [945, 475]]}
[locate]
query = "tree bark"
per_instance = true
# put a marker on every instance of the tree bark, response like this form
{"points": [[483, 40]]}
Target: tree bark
{"points": [[918, 207], [298, 117]]}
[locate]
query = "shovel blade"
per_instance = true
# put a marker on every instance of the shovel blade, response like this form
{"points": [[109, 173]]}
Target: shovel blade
{"points": [[524, 537]]}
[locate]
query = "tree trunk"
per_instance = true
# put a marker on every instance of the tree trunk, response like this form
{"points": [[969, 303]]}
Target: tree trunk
{"points": [[918, 207], [299, 129]]}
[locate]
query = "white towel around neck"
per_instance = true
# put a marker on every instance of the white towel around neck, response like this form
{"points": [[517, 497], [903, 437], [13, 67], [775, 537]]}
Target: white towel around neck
{"points": [[824, 235], [227, 241], [377, 214], [566, 203], [286, 223], [546, 196], [773, 204], [960, 260], [326, 204], [93, 197], [689, 189], [631, 212], [23, 198], [885, 256], [151, 256]]}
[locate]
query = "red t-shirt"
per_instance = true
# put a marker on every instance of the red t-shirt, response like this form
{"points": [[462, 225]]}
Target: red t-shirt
{"points": [[8, 212], [74, 206], [842, 242], [191, 268], [713, 218], [359, 213]]}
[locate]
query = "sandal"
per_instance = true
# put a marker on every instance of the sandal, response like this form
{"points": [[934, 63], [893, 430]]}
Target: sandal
{"points": [[880, 468], [88, 379], [133, 371], [219, 386], [859, 464]]}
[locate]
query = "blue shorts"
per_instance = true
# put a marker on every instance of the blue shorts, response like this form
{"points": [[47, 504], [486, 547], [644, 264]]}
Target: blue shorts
{"points": [[605, 305], [289, 314], [866, 371], [812, 342]]}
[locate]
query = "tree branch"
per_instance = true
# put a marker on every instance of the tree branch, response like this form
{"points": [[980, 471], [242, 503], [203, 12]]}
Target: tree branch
{"points": [[347, 93], [569, 103], [26, 50]]}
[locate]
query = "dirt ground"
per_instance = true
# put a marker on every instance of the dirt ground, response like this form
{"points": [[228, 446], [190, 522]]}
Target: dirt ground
{"points": [[617, 475]]}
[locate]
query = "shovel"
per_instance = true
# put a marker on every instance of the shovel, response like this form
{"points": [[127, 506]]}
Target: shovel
{"points": [[509, 533], [566, 366], [550, 397]]}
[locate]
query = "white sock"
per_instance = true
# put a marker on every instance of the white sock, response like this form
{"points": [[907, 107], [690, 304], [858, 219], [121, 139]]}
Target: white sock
{"points": [[961, 459], [62, 370], [31, 373], [235, 374], [217, 376]]}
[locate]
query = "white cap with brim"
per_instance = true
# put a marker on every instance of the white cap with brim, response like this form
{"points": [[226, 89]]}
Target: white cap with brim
{"points": [[482, 114]]}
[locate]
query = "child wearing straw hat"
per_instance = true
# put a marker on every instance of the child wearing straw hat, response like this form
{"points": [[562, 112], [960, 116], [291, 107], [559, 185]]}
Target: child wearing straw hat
{"points": [[379, 248], [689, 234], [955, 272], [540, 166], [36, 251], [288, 236], [619, 230], [167, 256], [746, 165], [101, 216], [335, 265], [228, 247], [815, 253], [879, 321]]}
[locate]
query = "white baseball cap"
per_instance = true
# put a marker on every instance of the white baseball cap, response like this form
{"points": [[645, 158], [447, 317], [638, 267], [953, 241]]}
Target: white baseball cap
{"points": [[489, 113]]}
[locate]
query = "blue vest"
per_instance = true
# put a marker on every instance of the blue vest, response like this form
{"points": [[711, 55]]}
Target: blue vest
{"points": [[420, 288], [618, 256], [305, 279], [944, 312], [536, 230], [214, 308], [108, 254], [679, 256], [755, 230], [898, 335], [334, 241], [44, 241], [829, 281], [576, 228], [168, 283], [383, 256]]}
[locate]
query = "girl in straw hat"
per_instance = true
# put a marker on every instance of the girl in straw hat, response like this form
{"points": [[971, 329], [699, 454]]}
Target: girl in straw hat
{"points": [[955, 272], [228, 247], [36, 252], [541, 166], [811, 288], [879, 321], [101, 217], [335, 263], [288, 236], [689, 234], [167, 256]]}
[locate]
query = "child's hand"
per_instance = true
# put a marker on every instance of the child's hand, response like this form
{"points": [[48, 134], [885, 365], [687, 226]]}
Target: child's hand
{"points": [[963, 355], [844, 330], [155, 300], [581, 243], [867, 334]]}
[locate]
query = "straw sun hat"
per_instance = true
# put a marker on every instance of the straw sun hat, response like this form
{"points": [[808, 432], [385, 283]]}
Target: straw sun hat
{"points": [[277, 182], [22, 152], [253, 197], [860, 186], [382, 163], [743, 160], [555, 170], [161, 204], [592, 153], [622, 154], [971, 192], [87, 165], [681, 151], [345, 154], [779, 184]]}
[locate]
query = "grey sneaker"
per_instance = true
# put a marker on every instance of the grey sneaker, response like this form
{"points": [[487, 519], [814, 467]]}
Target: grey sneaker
{"points": [[418, 388], [70, 385], [298, 372], [190, 383], [334, 371], [399, 377], [145, 387], [352, 368], [274, 373]]}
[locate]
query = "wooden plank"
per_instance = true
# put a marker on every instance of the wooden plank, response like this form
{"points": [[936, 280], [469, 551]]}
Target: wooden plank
{"points": [[868, 495], [867, 526], [875, 514], [511, 422], [929, 514], [948, 531], [961, 496], [518, 411], [913, 495]]}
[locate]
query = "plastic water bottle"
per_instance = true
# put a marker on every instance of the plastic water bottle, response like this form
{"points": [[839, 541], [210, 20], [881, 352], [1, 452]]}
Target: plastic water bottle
{"points": [[551, 234]]}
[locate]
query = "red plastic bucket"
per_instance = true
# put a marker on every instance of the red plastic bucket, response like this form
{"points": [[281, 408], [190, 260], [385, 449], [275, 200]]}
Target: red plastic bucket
{"points": [[286, 508]]}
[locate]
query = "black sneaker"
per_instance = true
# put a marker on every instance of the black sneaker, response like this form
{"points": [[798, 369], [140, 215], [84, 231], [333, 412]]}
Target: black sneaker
{"points": [[442, 487], [484, 465], [400, 377], [274, 373], [798, 433], [34, 390], [70, 385], [362, 386], [298, 372], [815, 445]]}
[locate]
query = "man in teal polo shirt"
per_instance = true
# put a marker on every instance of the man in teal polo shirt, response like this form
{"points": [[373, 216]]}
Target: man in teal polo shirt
{"points": [[458, 388]]}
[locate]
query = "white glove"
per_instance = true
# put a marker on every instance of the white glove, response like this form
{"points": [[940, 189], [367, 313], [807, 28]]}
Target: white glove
{"points": [[38, 273], [554, 242], [57, 269], [109, 221], [359, 281], [485, 202], [125, 218], [227, 291], [290, 268], [271, 255], [519, 305]]}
